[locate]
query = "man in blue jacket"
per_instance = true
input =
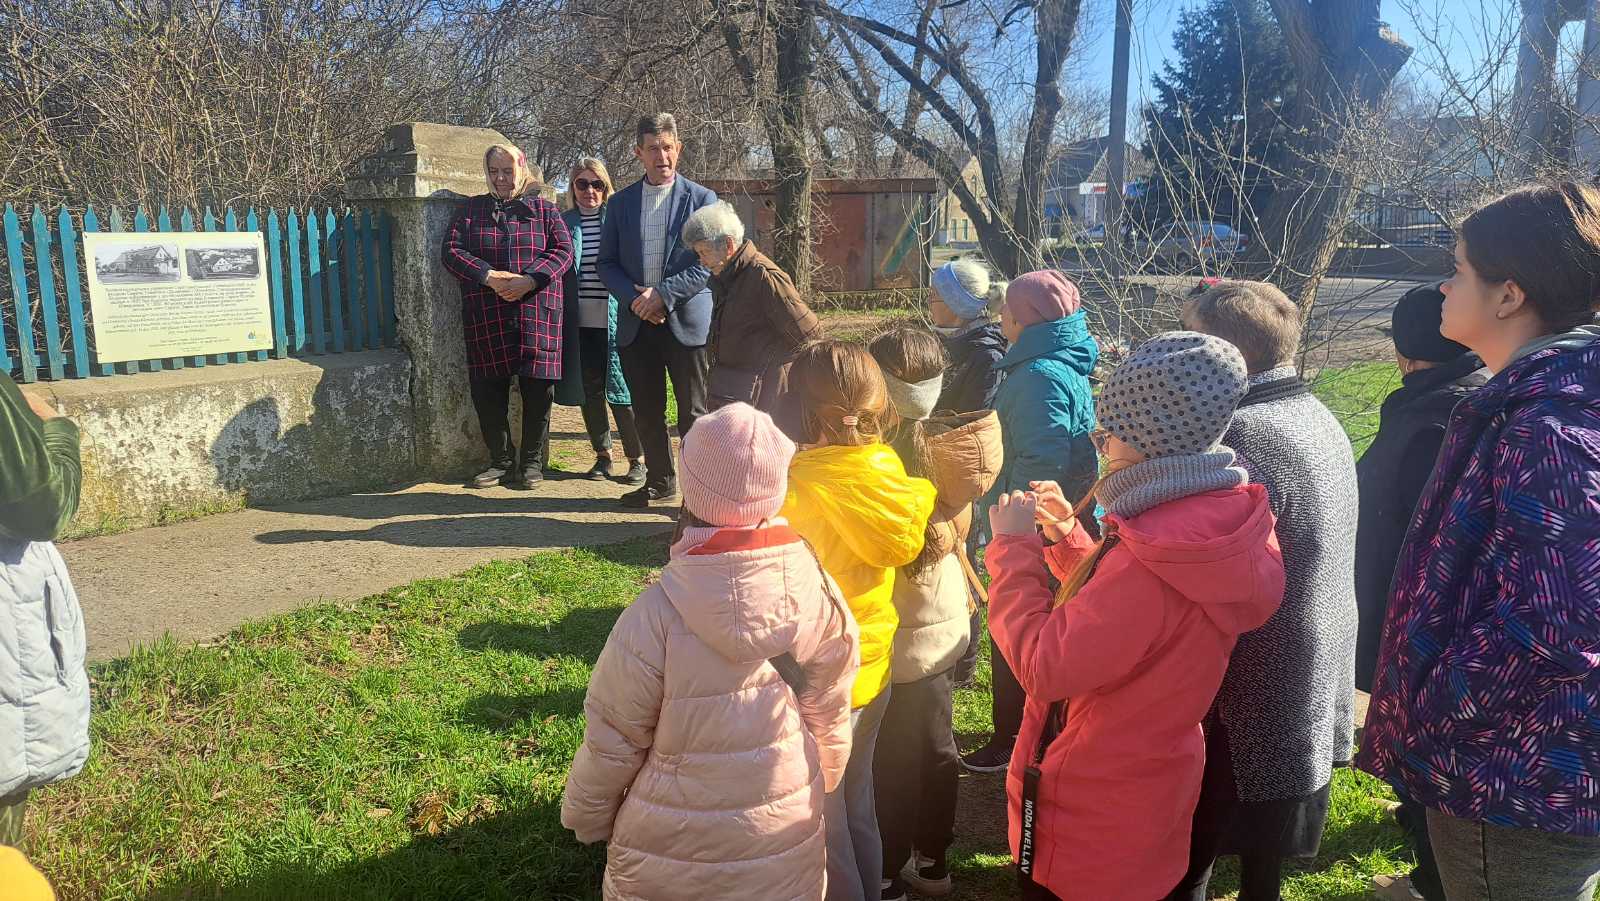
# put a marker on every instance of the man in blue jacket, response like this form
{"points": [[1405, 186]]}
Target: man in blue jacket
{"points": [[664, 310]]}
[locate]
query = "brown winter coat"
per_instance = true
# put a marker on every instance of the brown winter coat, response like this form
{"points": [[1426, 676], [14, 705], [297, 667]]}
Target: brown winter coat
{"points": [[758, 325]]}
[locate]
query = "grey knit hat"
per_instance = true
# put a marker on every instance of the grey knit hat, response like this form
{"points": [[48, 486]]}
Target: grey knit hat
{"points": [[1174, 395]]}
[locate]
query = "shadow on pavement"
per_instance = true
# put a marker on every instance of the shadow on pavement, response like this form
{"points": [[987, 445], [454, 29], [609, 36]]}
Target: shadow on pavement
{"points": [[525, 531]]}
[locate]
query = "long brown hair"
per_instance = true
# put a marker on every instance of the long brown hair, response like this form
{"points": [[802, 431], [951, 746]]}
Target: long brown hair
{"points": [[912, 355], [841, 388], [1546, 238], [1108, 539]]}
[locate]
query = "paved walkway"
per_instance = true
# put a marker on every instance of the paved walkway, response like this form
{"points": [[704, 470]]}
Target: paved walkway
{"points": [[200, 579]]}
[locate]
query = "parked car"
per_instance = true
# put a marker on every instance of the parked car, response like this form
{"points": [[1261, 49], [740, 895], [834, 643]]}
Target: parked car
{"points": [[1185, 243]]}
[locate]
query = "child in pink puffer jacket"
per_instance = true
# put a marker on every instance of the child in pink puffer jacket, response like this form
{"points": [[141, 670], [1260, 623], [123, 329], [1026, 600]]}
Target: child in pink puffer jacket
{"points": [[719, 711]]}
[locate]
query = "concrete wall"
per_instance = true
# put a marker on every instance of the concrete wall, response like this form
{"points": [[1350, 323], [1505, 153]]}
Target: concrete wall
{"points": [[163, 444]]}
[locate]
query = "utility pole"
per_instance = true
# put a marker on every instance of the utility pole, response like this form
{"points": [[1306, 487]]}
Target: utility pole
{"points": [[1116, 153]]}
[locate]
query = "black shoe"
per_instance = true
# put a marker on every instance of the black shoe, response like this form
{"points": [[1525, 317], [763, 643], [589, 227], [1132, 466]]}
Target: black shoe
{"points": [[894, 890], [600, 471], [651, 496], [636, 473], [522, 479], [991, 758]]}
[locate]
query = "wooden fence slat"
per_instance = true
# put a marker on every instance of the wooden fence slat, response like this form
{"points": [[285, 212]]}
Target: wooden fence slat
{"points": [[49, 308], [69, 274], [186, 223], [19, 295], [19, 285], [280, 338], [91, 223], [297, 300], [335, 273], [386, 269], [355, 321], [316, 274], [164, 223], [141, 223], [369, 269]]}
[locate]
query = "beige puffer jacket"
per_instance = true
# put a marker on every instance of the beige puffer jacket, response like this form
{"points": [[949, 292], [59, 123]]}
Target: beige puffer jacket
{"points": [[702, 767], [966, 454]]}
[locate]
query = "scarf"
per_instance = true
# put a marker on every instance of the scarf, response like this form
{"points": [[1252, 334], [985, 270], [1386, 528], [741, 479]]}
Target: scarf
{"points": [[1135, 489]]}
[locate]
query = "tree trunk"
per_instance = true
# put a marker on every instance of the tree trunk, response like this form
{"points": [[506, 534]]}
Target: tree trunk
{"points": [[788, 127], [1345, 60]]}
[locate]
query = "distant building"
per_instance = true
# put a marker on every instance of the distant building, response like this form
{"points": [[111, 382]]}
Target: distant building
{"points": [[1075, 185], [954, 226]]}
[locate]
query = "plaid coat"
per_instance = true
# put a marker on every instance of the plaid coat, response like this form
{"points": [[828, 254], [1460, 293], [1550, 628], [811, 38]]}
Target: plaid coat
{"points": [[1486, 702], [521, 337]]}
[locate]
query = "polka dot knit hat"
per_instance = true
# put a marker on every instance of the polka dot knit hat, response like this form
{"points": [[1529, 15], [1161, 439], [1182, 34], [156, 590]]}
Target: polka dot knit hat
{"points": [[1174, 395]]}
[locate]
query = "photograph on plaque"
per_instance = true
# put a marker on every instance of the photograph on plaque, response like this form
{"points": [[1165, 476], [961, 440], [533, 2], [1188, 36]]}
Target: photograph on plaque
{"points": [[156, 295], [137, 263]]}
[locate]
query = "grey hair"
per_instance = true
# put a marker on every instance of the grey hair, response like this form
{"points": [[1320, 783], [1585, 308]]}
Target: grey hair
{"points": [[712, 224], [974, 276]]}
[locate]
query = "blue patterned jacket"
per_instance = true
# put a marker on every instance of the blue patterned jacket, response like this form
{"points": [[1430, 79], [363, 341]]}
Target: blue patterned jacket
{"points": [[1486, 702]]}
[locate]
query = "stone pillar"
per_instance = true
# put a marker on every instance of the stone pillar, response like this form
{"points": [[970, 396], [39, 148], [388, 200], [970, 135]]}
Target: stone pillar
{"points": [[419, 176]]}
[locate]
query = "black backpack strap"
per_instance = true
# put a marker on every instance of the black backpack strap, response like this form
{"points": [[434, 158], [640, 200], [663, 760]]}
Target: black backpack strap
{"points": [[790, 670]]}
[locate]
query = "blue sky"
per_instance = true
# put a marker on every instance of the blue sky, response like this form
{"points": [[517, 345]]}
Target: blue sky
{"points": [[1458, 33]]}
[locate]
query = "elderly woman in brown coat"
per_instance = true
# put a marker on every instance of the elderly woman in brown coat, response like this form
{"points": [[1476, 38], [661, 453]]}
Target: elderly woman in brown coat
{"points": [[758, 321]]}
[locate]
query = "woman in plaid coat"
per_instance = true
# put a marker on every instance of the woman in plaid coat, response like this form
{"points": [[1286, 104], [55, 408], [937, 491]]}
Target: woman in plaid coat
{"points": [[510, 248]]}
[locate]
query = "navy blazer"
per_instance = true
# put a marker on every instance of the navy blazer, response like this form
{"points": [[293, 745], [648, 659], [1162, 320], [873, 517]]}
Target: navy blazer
{"points": [[683, 285]]}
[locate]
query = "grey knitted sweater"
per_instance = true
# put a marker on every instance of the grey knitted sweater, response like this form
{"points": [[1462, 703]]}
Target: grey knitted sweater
{"points": [[1286, 699]]}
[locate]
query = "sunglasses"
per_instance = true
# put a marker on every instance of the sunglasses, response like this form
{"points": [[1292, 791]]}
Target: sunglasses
{"points": [[584, 184]]}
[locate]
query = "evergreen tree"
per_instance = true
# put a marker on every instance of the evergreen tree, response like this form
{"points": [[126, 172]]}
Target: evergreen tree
{"points": [[1216, 118]]}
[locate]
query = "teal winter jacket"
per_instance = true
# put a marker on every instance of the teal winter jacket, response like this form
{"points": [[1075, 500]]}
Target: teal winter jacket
{"points": [[570, 389], [1046, 408]]}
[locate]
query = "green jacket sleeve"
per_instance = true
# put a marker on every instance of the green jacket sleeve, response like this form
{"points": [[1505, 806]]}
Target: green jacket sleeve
{"points": [[40, 472]]}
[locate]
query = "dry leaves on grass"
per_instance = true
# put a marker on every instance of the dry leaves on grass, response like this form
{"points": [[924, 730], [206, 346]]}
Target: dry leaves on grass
{"points": [[431, 814]]}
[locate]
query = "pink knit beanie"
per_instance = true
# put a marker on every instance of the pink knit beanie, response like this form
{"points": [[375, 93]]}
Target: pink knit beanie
{"points": [[735, 467], [1041, 296]]}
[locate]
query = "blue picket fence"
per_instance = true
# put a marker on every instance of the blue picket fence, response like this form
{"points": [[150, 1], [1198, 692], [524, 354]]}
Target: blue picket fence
{"points": [[331, 278]]}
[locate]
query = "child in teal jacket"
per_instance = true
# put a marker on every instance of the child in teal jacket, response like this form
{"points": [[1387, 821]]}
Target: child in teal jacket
{"points": [[1046, 414]]}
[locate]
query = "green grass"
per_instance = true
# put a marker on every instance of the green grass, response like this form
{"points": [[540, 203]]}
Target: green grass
{"points": [[1354, 394], [415, 744]]}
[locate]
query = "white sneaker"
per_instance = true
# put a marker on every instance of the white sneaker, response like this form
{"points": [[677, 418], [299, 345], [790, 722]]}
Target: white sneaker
{"points": [[1394, 888], [489, 477], [927, 885]]}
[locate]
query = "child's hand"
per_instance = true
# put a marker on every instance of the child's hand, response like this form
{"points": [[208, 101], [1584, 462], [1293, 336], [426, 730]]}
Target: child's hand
{"points": [[1054, 513], [1013, 514]]}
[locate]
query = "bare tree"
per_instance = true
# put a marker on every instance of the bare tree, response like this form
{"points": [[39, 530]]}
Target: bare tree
{"points": [[1344, 60], [960, 89]]}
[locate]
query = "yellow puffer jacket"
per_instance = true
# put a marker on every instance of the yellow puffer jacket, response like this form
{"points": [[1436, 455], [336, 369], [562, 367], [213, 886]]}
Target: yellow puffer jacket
{"points": [[864, 516]]}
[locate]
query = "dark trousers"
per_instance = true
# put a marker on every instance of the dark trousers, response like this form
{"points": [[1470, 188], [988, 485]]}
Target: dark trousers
{"points": [[967, 663], [915, 772], [1255, 830], [1009, 698], [13, 810], [1413, 818], [1033, 891], [491, 398], [594, 352], [652, 358]]}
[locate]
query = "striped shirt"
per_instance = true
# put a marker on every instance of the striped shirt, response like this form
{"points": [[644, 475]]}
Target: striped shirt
{"points": [[594, 301], [655, 218]]}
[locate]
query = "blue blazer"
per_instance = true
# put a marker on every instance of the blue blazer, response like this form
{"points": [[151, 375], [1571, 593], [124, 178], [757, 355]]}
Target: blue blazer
{"points": [[684, 281]]}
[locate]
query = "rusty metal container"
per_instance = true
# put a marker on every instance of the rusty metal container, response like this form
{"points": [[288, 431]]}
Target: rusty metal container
{"points": [[868, 234]]}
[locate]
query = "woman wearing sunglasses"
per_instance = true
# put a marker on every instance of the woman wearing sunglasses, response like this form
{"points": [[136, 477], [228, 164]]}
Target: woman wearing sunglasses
{"points": [[594, 375]]}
